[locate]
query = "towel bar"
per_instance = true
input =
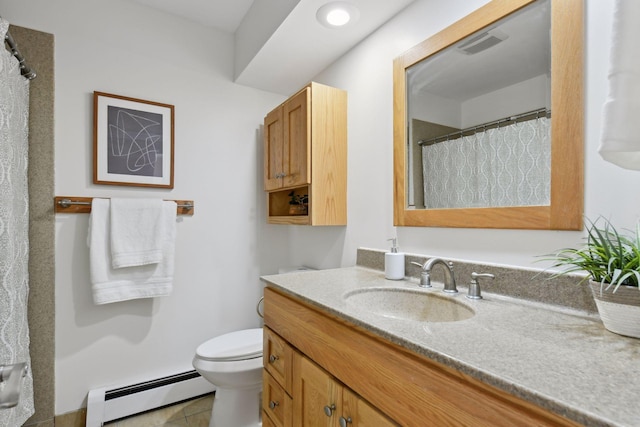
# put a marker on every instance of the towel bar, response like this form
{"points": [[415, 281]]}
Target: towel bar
{"points": [[64, 204]]}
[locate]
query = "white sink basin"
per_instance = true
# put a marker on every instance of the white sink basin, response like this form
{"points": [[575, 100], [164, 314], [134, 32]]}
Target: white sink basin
{"points": [[409, 305]]}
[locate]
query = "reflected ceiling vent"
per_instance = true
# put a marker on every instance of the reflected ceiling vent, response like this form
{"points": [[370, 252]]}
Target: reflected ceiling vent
{"points": [[482, 41]]}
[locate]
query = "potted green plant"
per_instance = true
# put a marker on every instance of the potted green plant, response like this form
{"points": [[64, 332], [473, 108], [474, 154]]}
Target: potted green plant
{"points": [[612, 261], [298, 203]]}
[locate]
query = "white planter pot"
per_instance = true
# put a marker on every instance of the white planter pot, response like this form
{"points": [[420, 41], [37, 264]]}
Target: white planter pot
{"points": [[619, 310]]}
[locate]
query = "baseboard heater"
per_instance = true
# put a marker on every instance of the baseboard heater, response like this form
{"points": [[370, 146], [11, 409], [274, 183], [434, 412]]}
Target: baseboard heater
{"points": [[104, 405]]}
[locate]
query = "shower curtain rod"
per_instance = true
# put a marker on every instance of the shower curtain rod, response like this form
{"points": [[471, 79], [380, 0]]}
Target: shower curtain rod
{"points": [[459, 133], [13, 46]]}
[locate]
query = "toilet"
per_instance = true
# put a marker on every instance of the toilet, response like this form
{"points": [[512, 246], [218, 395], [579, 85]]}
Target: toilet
{"points": [[233, 363]]}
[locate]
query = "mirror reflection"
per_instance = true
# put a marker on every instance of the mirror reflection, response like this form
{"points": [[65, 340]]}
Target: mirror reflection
{"points": [[479, 118], [465, 94]]}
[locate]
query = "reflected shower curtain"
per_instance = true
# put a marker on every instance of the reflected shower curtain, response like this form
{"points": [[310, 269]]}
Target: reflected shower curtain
{"points": [[506, 166], [14, 231]]}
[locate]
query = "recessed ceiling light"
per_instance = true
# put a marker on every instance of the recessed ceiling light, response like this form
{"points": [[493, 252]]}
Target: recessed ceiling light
{"points": [[338, 17], [337, 14]]}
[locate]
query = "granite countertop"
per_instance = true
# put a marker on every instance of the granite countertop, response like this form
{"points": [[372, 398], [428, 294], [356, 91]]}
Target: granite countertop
{"points": [[563, 360]]}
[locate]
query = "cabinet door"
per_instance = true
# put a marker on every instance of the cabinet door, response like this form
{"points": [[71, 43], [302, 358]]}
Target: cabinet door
{"points": [[273, 150], [266, 421], [357, 412], [318, 397], [297, 140]]}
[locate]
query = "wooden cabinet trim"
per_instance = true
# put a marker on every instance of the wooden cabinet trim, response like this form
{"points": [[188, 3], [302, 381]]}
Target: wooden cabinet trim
{"points": [[407, 387], [328, 155]]}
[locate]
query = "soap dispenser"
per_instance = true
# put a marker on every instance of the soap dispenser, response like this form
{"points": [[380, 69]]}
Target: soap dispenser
{"points": [[394, 262]]}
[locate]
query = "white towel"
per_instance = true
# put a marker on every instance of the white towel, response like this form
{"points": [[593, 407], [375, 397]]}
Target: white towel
{"points": [[137, 232], [146, 281], [620, 143]]}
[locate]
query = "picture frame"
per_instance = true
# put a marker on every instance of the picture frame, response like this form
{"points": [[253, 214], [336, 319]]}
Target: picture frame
{"points": [[133, 141]]}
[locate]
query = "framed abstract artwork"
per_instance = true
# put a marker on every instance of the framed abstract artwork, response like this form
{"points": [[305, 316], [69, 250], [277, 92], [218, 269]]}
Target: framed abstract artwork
{"points": [[133, 141]]}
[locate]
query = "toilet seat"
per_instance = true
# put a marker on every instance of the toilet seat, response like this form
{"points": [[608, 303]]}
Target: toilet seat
{"points": [[239, 345]]}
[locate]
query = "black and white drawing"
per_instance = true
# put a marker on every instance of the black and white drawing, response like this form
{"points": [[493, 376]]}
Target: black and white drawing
{"points": [[133, 142]]}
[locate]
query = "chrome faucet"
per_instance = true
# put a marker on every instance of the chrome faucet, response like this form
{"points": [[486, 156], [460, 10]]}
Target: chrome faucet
{"points": [[449, 279]]}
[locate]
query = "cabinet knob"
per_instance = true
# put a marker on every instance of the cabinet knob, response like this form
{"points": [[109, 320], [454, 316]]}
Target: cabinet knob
{"points": [[273, 404], [344, 421], [273, 358], [328, 410]]}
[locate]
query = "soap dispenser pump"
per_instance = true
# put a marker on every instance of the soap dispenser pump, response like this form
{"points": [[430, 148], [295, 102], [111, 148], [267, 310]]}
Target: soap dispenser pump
{"points": [[394, 262]]}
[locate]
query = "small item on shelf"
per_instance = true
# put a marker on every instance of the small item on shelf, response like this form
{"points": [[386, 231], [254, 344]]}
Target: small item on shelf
{"points": [[299, 204]]}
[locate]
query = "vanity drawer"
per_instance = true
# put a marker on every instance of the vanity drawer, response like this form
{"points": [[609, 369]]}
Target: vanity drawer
{"points": [[276, 403], [278, 358]]}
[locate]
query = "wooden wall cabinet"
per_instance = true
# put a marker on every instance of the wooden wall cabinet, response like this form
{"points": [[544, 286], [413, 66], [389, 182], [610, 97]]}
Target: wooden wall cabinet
{"points": [[334, 361], [305, 152]]}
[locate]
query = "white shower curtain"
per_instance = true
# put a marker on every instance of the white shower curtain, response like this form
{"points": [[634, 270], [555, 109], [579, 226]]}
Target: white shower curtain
{"points": [[14, 228], [506, 166]]}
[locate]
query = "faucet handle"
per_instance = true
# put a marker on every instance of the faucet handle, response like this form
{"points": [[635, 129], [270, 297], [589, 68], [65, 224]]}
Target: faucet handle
{"points": [[425, 280], [474, 286]]}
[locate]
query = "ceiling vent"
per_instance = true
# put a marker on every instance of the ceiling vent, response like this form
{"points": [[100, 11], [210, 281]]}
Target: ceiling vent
{"points": [[482, 42]]}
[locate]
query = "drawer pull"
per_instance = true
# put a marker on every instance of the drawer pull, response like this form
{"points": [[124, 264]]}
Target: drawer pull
{"points": [[328, 410], [273, 358], [273, 404], [344, 421]]}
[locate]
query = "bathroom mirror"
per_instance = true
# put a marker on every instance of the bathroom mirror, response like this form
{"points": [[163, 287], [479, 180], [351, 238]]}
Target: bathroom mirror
{"points": [[488, 120]]}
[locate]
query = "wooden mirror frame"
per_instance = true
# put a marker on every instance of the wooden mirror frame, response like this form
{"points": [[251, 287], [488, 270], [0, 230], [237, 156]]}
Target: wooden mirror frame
{"points": [[567, 126]]}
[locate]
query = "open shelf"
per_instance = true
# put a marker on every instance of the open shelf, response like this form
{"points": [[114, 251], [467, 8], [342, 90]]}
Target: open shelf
{"points": [[278, 207]]}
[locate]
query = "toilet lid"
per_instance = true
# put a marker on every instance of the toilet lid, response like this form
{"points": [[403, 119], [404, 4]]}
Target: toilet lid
{"points": [[238, 345]]}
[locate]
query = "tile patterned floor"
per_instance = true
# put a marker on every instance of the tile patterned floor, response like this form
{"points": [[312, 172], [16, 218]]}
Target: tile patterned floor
{"points": [[193, 413]]}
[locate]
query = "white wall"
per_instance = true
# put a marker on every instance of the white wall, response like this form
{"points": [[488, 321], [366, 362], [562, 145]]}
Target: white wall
{"points": [[366, 73], [433, 108], [122, 48], [518, 98], [521, 97]]}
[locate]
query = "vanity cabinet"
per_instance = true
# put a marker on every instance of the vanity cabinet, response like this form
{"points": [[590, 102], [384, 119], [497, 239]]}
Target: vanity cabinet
{"points": [[331, 355], [305, 153], [320, 399]]}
